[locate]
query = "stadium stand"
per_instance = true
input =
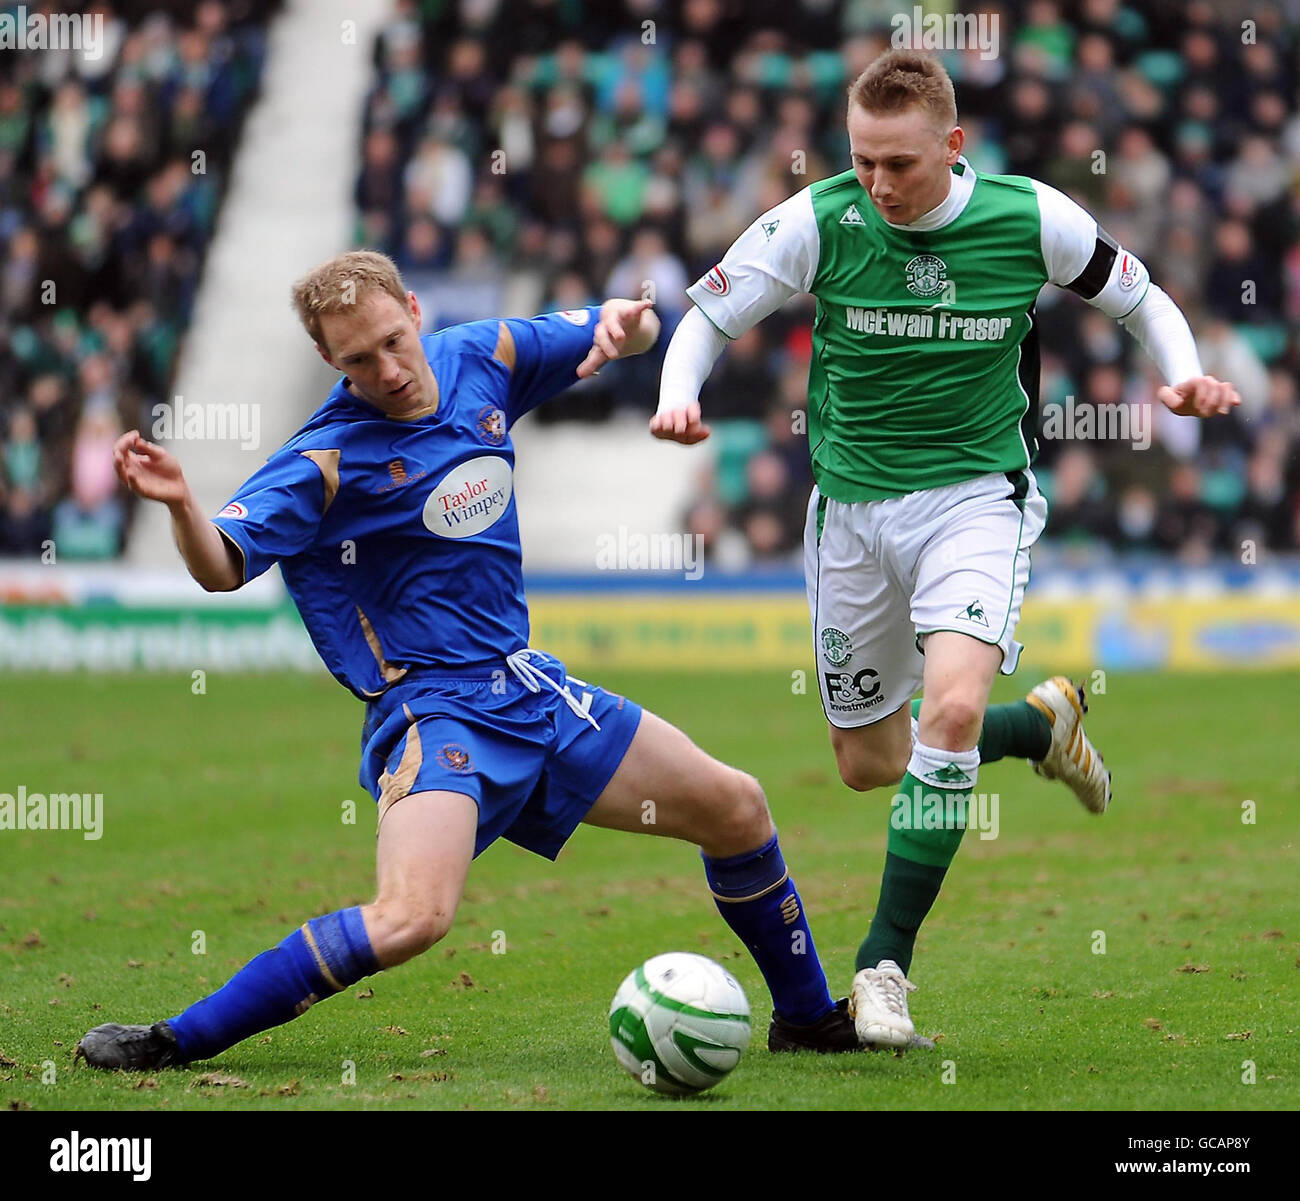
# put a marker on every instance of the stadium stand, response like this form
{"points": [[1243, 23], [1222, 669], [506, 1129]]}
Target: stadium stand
{"points": [[248, 368], [522, 155], [112, 173], [527, 155]]}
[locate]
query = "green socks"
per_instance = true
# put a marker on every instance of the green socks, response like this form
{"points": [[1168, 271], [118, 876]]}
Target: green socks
{"points": [[927, 821], [907, 892], [923, 838], [1016, 729]]}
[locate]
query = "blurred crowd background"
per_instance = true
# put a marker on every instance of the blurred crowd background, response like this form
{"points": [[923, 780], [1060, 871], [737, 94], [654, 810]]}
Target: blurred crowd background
{"points": [[111, 174], [526, 155]]}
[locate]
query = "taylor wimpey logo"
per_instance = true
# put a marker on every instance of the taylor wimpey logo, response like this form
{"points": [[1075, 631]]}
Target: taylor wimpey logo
{"points": [[469, 498]]}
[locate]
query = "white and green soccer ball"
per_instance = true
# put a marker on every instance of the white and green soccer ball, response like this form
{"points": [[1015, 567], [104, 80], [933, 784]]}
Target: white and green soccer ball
{"points": [[679, 1023]]}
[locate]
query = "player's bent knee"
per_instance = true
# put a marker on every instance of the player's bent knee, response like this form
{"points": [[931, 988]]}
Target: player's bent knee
{"points": [[752, 817], [862, 773], [871, 757], [400, 930], [859, 776], [955, 722], [740, 820]]}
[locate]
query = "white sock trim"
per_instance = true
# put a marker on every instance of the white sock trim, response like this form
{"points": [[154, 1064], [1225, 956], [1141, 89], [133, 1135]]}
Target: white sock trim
{"points": [[947, 771]]}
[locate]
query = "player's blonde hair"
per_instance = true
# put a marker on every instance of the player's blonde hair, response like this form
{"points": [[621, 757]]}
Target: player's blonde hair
{"points": [[899, 79], [338, 284]]}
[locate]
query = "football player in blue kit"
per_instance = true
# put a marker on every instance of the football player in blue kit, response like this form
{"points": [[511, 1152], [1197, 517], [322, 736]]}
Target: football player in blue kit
{"points": [[392, 516]]}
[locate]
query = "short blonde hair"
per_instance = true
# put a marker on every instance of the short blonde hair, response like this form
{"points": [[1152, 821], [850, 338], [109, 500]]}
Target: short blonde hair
{"points": [[899, 79], [338, 284]]}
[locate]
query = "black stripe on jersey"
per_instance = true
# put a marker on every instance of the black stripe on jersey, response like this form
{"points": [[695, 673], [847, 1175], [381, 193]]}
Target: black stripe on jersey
{"points": [[1029, 372], [1093, 277], [1019, 482]]}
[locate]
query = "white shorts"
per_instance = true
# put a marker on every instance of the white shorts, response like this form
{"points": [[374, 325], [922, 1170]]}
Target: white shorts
{"points": [[882, 574]]}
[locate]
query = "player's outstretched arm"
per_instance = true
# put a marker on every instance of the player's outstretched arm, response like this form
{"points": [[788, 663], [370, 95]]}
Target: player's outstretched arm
{"points": [[625, 328], [150, 471], [774, 259], [1080, 256], [694, 349], [1162, 330]]}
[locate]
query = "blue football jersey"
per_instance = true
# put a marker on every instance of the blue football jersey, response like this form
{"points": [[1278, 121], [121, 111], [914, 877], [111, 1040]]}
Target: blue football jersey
{"points": [[398, 539]]}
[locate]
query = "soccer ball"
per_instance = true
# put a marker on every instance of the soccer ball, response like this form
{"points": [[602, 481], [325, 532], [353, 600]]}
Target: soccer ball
{"points": [[679, 1023]]}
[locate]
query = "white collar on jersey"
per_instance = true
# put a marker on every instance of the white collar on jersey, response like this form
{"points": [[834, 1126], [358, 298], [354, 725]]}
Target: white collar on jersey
{"points": [[948, 209]]}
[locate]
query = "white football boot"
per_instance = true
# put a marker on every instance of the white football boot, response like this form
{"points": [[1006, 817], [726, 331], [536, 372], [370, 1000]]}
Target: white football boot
{"points": [[1071, 758], [878, 1006]]}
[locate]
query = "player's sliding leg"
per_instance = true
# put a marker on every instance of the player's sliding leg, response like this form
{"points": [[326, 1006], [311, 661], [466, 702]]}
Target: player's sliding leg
{"points": [[666, 785], [425, 846], [942, 769], [1047, 729]]}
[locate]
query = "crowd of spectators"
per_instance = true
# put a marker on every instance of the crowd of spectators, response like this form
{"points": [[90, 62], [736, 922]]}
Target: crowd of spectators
{"points": [[527, 155], [112, 168]]}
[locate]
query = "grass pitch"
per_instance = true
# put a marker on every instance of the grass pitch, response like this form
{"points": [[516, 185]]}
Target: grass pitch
{"points": [[223, 830]]}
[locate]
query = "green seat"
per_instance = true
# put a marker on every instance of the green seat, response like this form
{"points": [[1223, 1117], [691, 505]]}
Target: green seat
{"points": [[1268, 341], [737, 442]]}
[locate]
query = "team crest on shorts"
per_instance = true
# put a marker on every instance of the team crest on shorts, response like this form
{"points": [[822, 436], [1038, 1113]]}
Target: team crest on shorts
{"points": [[492, 425], [836, 646], [454, 757], [926, 275]]}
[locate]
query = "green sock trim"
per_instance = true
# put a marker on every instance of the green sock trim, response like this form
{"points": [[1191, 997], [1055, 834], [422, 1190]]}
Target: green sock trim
{"points": [[907, 893]]}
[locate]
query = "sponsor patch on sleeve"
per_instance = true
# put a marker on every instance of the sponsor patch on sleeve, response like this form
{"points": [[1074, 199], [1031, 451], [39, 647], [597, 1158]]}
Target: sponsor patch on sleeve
{"points": [[576, 316], [1128, 272], [716, 281], [234, 509]]}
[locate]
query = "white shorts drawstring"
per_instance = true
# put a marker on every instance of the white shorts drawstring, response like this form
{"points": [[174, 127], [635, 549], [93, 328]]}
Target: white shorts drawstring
{"points": [[529, 676]]}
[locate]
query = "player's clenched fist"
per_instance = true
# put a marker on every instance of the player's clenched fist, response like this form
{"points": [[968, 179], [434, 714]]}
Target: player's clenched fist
{"points": [[148, 470], [1203, 396], [680, 425]]}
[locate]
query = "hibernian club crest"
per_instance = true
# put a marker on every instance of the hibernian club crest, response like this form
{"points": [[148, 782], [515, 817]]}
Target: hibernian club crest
{"points": [[836, 646], [926, 274]]}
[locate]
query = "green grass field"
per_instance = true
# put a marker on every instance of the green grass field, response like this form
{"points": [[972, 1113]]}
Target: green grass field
{"points": [[223, 814]]}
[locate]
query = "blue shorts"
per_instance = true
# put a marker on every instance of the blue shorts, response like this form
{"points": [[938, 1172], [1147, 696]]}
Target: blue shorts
{"points": [[532, 765]]}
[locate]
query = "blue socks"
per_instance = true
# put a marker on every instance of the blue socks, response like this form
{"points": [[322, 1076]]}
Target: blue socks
{"points": [[316, 960], [753, 893], [758, 900]]}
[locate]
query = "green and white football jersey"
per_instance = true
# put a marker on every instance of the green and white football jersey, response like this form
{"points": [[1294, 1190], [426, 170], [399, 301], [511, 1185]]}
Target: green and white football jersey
{"points": [[925, 354]]}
